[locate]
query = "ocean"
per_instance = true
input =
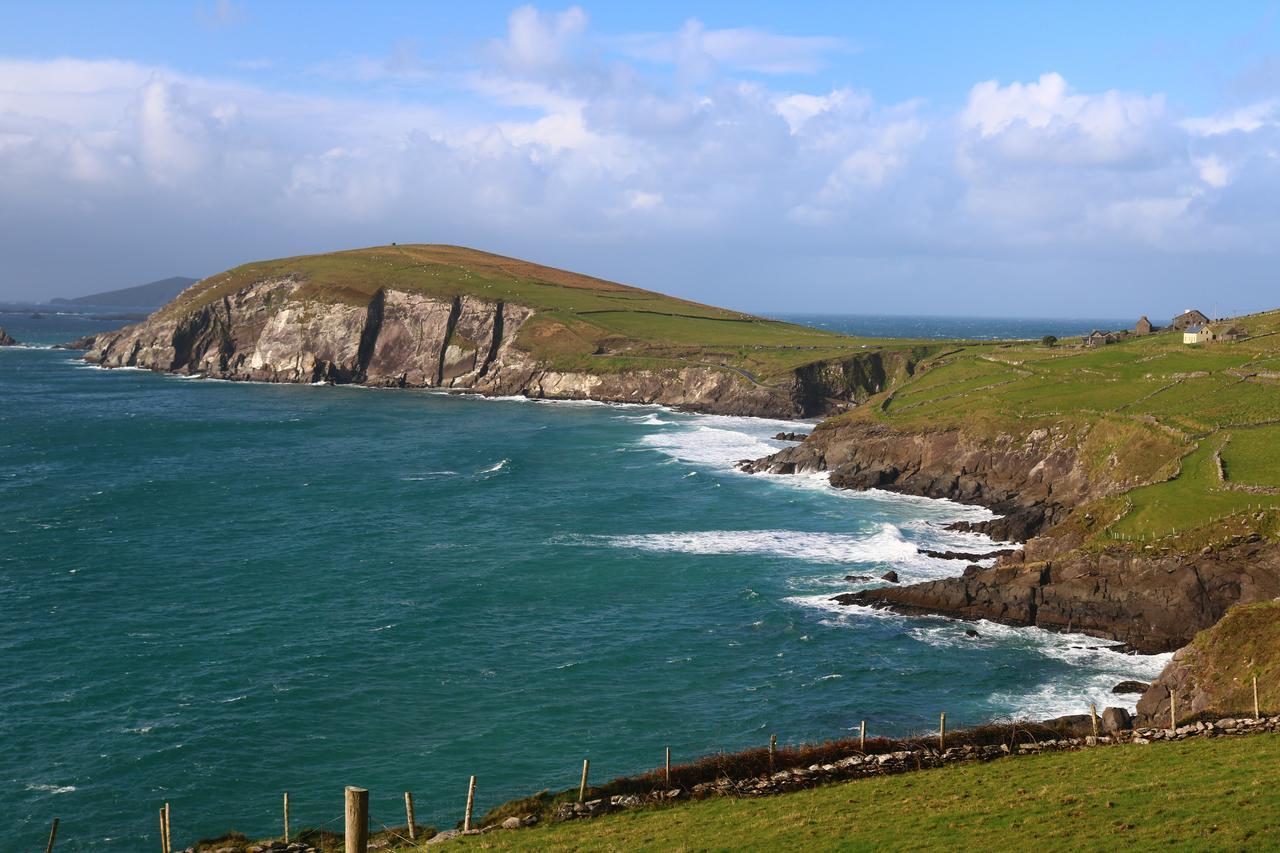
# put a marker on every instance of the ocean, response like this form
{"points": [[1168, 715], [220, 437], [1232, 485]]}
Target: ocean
{"points": [[216, 592]]}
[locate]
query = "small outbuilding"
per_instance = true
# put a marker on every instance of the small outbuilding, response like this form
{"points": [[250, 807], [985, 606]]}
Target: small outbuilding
{"points": [[1099, 339], [1187, 319], [1143, 326], [1195, 335], [1223, 332]]}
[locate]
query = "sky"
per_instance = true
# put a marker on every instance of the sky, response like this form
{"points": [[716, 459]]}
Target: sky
{"points": [[979, 158]]}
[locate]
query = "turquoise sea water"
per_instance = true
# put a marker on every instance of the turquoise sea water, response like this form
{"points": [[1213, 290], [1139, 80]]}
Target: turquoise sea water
{"points": [[216, 592]]}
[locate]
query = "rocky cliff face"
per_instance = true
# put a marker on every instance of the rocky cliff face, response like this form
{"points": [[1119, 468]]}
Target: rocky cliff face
{"points": [[268, 333], [1153, 604], [5, 340], [1032, 480]]}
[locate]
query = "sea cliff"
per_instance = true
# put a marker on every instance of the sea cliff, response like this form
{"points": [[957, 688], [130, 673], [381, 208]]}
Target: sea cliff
{"points": [[301, 320]]}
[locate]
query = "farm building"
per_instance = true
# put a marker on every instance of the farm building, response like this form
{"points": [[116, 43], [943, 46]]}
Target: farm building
{"points": [[1099, 339], [1194, 335], [1143, 326], [1222, 332], [1187, 319]]}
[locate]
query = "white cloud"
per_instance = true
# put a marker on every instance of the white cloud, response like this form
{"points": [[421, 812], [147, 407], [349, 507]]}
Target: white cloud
{"points": [[1245, 120], [540, 41], [1213, 171], [697, 50], [1046, 120], [550, 139]]}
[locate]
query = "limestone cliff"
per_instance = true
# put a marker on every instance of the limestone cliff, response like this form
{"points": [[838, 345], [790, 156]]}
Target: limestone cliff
{"points": [[275, 331]]}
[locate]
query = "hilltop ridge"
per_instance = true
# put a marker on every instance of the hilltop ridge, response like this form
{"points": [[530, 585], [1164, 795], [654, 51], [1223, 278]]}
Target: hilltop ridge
{"points": [[150, 295]]}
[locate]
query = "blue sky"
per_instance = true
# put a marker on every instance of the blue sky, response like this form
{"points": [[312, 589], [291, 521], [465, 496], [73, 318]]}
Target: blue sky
{"points": [[975, 158]]}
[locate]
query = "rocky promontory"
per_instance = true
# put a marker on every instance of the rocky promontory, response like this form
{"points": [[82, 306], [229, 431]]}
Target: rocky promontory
{"points": [[403, 317], [6, 340], [1150, 602]]}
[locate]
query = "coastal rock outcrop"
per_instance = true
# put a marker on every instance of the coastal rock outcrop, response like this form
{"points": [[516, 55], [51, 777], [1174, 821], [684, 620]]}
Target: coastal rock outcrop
{"points": [[1152, 604], [1031, 481], [275, 331], [5, 339]]}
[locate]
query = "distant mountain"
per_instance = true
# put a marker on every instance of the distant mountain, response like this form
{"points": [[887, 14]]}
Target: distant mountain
{"points": [[151, 295]]}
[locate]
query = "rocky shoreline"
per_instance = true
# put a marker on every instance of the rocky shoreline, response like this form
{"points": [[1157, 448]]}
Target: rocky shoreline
{"points": [[1153, 602]]}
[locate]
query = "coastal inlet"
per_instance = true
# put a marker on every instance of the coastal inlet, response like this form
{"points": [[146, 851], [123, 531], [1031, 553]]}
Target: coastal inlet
{"points": [[215, 592]]}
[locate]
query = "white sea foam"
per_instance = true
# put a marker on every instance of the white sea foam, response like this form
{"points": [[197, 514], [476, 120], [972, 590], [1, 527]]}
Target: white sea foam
{"points": [[885, 548], [1093, 668], [495, 467], [52, 789]]}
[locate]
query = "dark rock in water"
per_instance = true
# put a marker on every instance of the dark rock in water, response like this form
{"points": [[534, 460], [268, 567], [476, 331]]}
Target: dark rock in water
{"points": [[1116, 720], [857, 578], [890, 576], [5, 340], [969, 632], [37, 316], [1131, 687], [79, 343], [964, 555], [790, 436], [1017, 525]]}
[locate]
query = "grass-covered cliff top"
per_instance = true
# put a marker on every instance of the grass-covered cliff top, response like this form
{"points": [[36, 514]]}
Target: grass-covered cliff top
{"points": [[582, 321], [1198, 424]]}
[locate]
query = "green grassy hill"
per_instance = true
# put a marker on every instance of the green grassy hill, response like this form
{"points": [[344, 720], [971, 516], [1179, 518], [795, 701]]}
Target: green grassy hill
{"points": [[582, 322], [1195, 794], [1157, 410]]}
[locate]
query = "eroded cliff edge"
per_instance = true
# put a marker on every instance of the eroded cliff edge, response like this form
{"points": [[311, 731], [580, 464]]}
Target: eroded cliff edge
{"points": [[1040, 483], [272, 331]]}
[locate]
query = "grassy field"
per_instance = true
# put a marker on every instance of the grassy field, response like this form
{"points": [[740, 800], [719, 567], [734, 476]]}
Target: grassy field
{"points": [[1188, 795], [1150, 413], [583, 322]]}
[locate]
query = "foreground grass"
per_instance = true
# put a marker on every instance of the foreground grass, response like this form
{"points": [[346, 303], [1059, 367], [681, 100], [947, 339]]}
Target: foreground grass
{"points": [[1189, 795]]}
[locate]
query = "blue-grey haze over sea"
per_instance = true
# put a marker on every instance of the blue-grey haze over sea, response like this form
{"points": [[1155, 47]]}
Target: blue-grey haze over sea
{"points": [[215, 592]]}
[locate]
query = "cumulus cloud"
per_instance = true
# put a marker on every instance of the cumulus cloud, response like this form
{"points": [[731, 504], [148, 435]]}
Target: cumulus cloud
{"points": [[698, 50], [557, 142]]}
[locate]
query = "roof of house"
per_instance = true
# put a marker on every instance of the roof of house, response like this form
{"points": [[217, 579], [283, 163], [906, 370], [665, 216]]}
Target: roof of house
{"points": [[1194, 330]]}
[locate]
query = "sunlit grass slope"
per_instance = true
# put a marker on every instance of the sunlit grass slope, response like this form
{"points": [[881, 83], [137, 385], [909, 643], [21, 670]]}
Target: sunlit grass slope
{"points": [[1188, 795], [1154, 410]]}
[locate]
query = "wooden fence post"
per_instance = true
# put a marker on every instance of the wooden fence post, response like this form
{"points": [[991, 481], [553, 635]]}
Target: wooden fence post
{"points": [[1257, 711], [471, 801], [408, 815], [357, 819], [286, 817], [1173, 712], [53, 836], [773, 751], [164, 847], [1093, 716], [582, 786], [668, 767], [942, 732], [862, 736]]}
